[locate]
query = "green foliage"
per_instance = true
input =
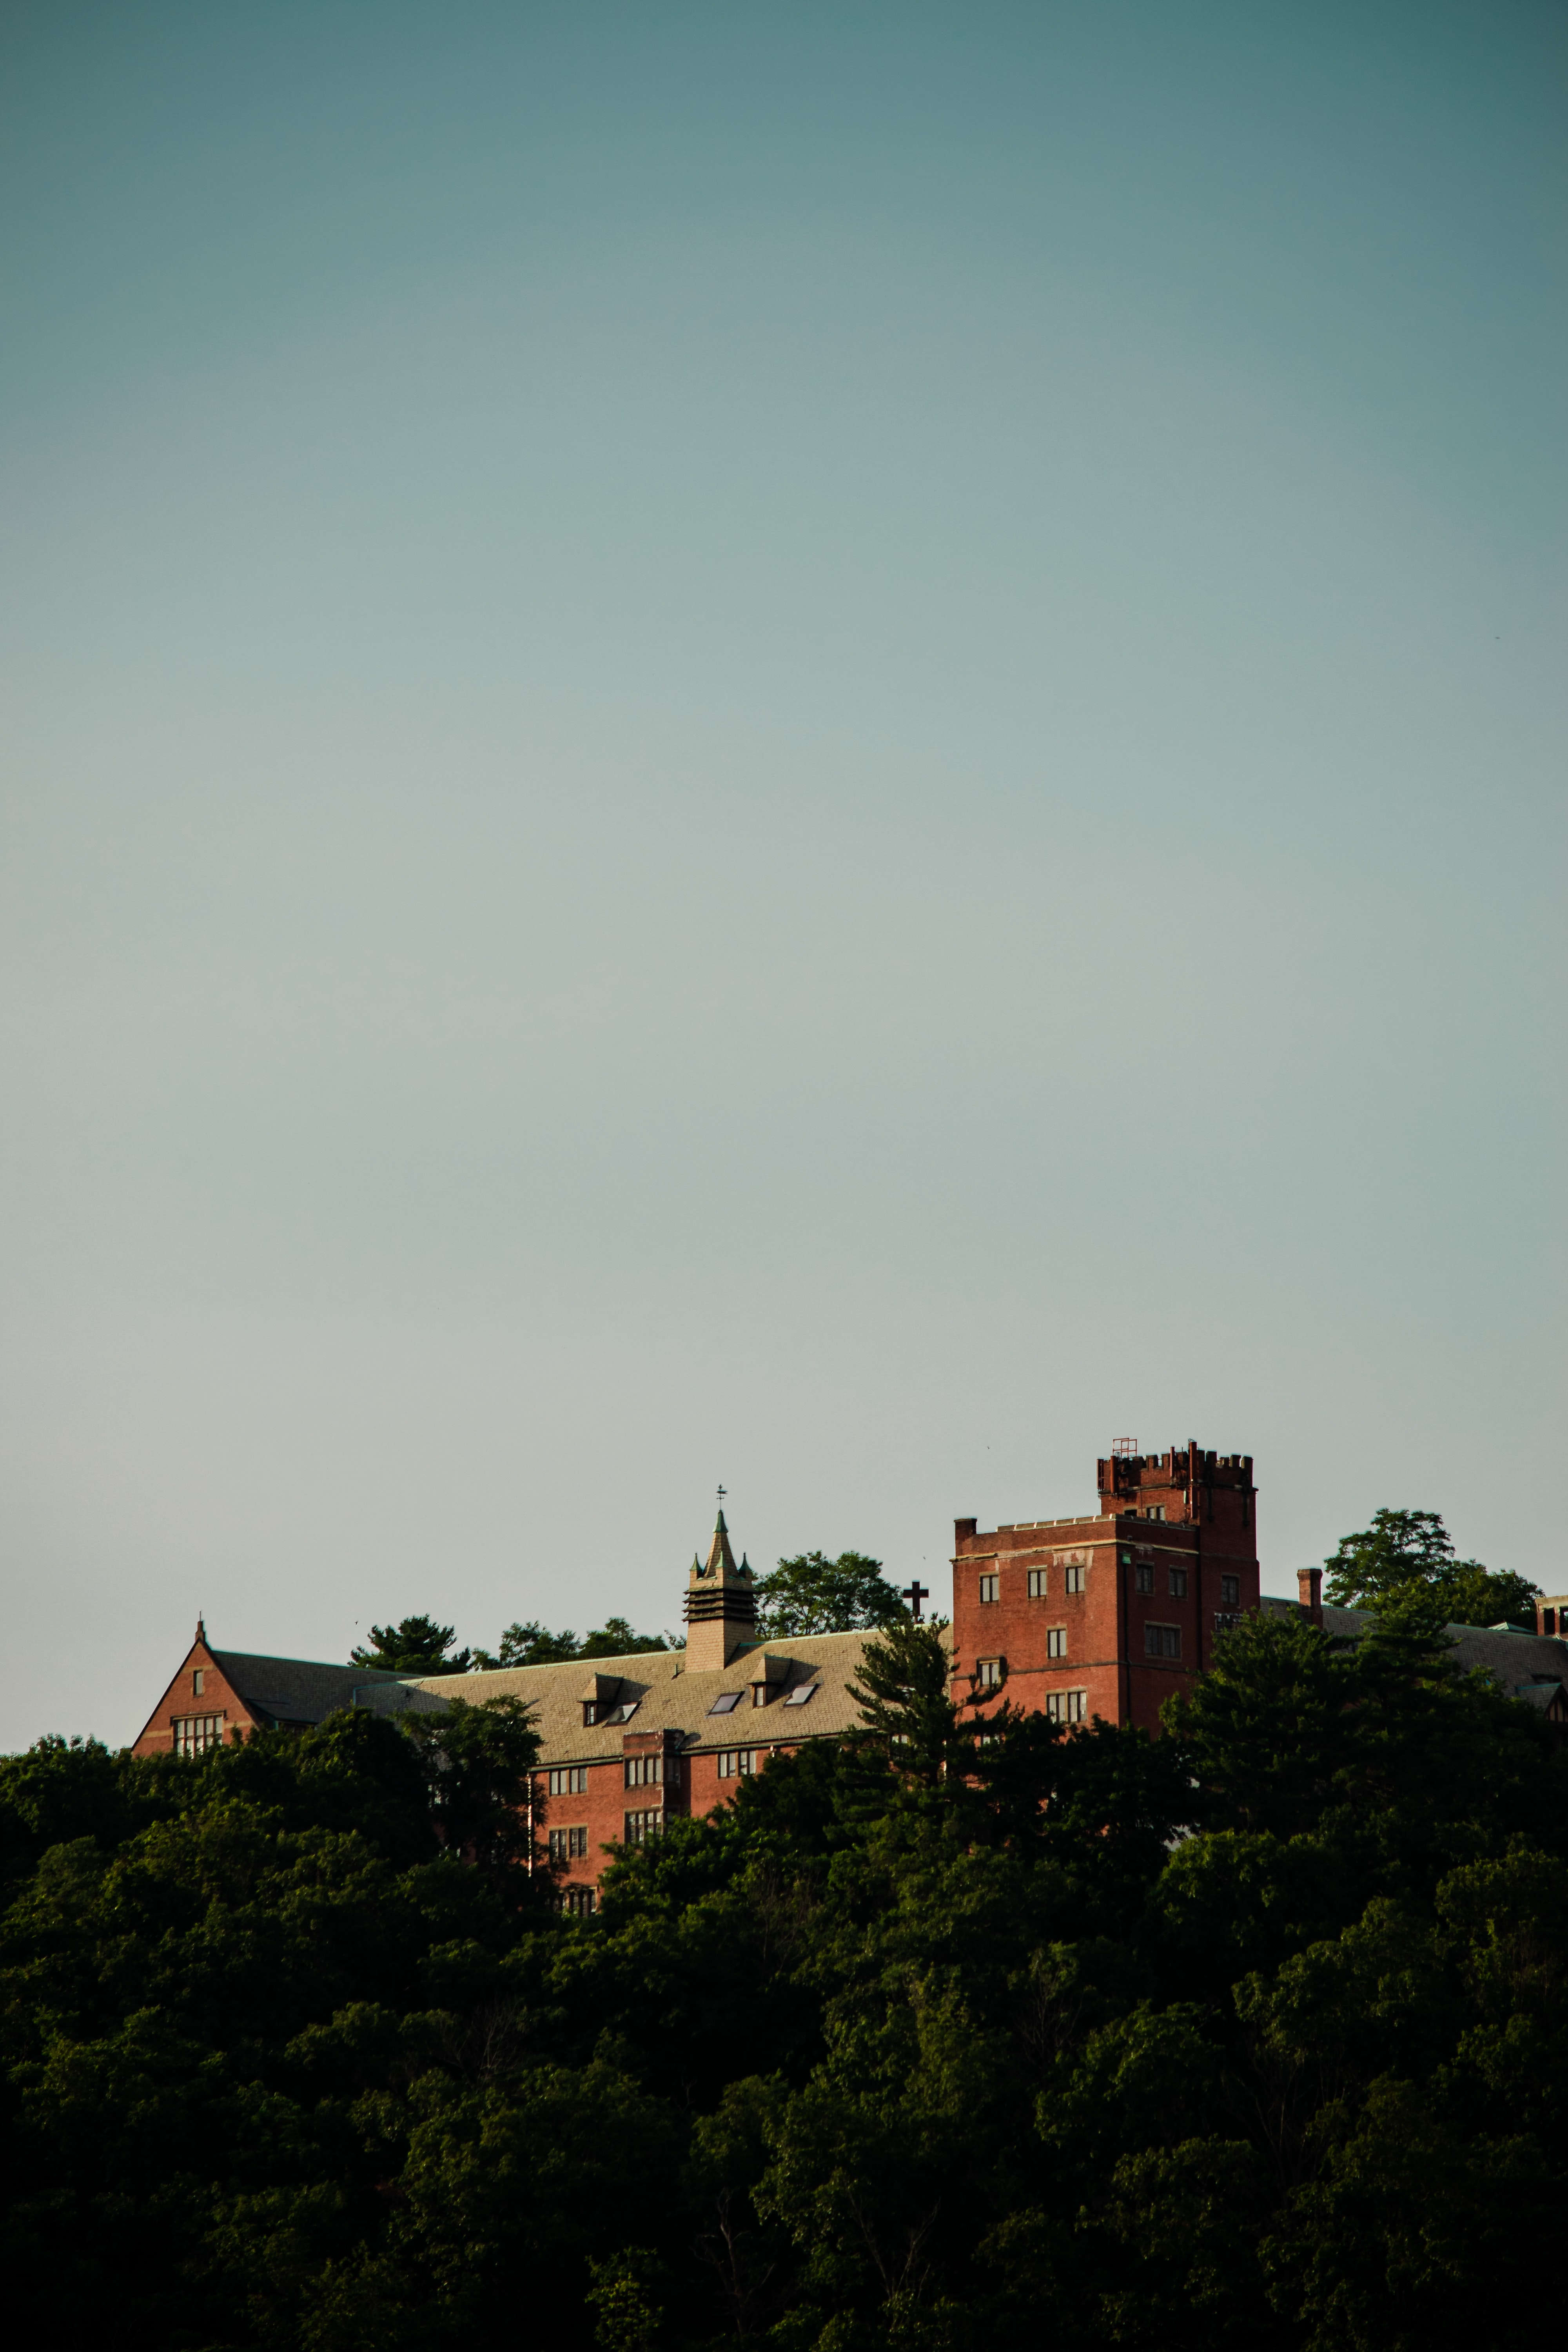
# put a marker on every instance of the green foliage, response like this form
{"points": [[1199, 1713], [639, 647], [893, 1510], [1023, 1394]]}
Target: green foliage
{"points": [[1405, 1556], [533, 1645], [814, 1594], [416, 1646], [944, 2035]]}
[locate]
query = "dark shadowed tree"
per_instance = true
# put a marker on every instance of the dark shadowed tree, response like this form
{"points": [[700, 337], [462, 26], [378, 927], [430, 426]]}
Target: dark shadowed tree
{"points": [[533, 1645], [1405, 1554], [529, 1644], [416, 1646], [478, 1761], [813, 1594]]}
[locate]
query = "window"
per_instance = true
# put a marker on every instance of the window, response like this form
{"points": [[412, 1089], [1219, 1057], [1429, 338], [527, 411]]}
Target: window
{"points": [[623, 1714], [579, 1902], [1036, 1585], [1156, 1511], [1178, 1584], [737, 1763], [568, 1845], [761, 1694], [1067, 1707], [1073, 1580], [801, 1696], [1161, 1641], [645, 1771], [1057, 1641], [198, 1681], [726, 1703], [1144, 1574], [1226, 1621], [640, 1827], [1230, 1591], [568, 1780], [989, 1671], [990, 1587], [195, 1734]]}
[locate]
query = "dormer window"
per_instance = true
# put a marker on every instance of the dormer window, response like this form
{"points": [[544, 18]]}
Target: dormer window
{"points": [[603, 1701]]}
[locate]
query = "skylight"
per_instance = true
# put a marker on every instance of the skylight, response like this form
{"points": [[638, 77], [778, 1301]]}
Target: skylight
{"points": [[799, 1697], [726, 1703]]}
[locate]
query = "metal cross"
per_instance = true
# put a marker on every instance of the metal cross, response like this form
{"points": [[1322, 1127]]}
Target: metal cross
{"points": [[722, 1492], [914, 1594]]}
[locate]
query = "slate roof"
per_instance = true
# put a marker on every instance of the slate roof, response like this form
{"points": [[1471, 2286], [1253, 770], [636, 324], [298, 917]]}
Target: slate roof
{"points": [[296, 1690], [1520, 1662], [669, 1696]]}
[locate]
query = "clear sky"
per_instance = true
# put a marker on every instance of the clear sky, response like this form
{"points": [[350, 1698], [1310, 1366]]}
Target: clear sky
{"points": [[813, 745]]}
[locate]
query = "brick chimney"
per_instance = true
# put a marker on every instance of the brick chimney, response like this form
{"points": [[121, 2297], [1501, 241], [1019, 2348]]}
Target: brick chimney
{"points": [[1309, 1586]]}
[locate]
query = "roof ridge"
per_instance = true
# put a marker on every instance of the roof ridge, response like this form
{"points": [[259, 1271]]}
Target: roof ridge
{"points": [[321, 1666]]}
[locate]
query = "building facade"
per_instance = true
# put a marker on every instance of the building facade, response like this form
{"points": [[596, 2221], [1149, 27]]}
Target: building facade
{"points": [[1106, 1614], [1109, 1613]]}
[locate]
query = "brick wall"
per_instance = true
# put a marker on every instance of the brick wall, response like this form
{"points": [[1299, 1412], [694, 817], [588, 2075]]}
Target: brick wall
{"points": [[182, 1702], [1174, 1556]]}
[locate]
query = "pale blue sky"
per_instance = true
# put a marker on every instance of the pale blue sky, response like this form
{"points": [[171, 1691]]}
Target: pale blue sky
{"points": [[819, 746]]}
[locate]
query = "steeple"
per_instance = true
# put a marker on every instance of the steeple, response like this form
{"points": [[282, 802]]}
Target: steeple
{"points": [[721, 1604], [719, 1555]]}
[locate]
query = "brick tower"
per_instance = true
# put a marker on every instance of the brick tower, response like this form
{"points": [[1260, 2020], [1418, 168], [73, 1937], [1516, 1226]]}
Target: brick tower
{"points": [[1107, 1614], [721, 1605]]}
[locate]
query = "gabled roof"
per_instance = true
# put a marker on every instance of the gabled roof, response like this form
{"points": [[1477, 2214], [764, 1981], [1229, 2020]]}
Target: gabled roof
{"points": [[296, 1690], [669, 1696], [1520, 1660]]}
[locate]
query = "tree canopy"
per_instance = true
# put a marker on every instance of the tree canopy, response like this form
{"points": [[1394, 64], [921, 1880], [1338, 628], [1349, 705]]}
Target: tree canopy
{"points": [[947, 2034], [1409, 1556], [533, 1645], [416, 1646], [813, 1594]]}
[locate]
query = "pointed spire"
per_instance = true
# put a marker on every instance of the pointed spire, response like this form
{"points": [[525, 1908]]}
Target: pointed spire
{"points": [[720, 1603]]}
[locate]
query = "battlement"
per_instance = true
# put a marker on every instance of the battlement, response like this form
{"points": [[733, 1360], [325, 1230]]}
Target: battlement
{"points": [[1183, 1484]]}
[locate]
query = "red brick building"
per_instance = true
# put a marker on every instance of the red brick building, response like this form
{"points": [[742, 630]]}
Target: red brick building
{"points": [[627, 1743], [217, 1693], [1109, 1613], [1105, 1614]]}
